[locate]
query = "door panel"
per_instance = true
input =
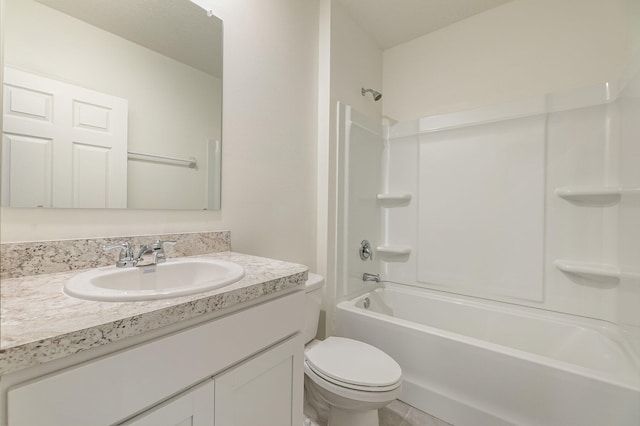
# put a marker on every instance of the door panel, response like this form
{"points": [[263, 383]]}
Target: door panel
{"points": [[87, 131], [27, 186]]}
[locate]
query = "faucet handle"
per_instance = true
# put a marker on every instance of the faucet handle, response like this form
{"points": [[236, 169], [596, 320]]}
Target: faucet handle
{"points": [[125, 256], [125, 248], [158, 250], [158, 244]]}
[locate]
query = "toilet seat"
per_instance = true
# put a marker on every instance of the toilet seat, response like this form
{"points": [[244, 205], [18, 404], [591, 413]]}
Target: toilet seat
{"points": [[352, 364]]}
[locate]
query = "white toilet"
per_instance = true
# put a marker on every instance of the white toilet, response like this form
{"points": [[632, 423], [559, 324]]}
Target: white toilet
{"points": [[346, 381]]}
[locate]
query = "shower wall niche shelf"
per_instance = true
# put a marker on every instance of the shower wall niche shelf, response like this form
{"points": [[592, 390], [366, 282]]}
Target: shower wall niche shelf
{"points": [[594, 271], [595, 194], [394, 199]]}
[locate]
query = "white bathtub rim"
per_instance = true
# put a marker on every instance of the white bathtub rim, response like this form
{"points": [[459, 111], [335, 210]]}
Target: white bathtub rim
{"points": [[546, 361], [611, 330], [633, 385], [606, 327]]}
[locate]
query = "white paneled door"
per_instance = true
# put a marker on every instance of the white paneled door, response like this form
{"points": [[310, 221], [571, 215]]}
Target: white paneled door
{"points": [[62, 145]]}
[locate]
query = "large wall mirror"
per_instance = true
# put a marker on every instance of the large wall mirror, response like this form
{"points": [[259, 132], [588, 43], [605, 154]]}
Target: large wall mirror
{"points": [[111, 104]]}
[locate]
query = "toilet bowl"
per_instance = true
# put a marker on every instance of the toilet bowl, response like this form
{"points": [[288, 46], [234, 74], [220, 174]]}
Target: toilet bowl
{"points": [[346, 381]]}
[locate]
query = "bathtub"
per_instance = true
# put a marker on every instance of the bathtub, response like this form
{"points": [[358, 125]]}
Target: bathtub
{"points": [[478, 363]]}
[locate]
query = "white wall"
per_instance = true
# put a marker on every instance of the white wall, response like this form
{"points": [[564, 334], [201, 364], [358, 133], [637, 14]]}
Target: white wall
{"points": [[92, 58], [356, 62], [349, 60], [269, 143], [519, 49]]}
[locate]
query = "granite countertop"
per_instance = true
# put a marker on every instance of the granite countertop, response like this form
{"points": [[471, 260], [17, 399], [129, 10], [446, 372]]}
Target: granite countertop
{"points": [[39, 323]]}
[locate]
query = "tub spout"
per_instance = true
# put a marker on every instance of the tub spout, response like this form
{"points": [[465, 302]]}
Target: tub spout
{"points": [[371, 277]]}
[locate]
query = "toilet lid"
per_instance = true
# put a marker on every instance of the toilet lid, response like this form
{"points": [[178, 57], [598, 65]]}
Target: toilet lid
{"points": [[353, 362]]}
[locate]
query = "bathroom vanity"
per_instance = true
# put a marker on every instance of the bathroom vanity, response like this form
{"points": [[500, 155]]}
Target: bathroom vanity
{"points": [[230, 356]]}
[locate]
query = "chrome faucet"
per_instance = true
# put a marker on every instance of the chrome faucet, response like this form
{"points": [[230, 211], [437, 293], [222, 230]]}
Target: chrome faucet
{"points": [[371, 277], [144, 249], [127, 259], [157, 251]]}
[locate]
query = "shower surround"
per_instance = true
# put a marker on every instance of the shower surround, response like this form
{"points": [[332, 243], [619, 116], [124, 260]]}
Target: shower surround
{"points": [[532, 207]]}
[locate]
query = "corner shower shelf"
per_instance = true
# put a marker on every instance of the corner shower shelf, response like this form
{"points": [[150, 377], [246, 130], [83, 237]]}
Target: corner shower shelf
{"points": [[394, 199], [595, 194], [593, 271]]}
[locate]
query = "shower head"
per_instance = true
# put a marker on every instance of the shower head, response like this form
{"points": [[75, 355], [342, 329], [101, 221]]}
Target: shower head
{"points": [[376, 95]]}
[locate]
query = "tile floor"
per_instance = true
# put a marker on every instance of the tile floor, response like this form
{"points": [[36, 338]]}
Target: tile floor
{"points": [[400, 414]]}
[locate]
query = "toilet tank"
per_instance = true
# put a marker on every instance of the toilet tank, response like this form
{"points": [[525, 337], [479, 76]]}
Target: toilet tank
{"points": [[312, 304]]}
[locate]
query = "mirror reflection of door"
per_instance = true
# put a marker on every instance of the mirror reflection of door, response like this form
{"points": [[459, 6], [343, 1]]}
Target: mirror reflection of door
{"points": [[164, 57], [63, 145]]}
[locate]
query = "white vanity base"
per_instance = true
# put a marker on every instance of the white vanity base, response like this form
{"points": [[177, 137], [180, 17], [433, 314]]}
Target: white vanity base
{"points": [[216, 368]]}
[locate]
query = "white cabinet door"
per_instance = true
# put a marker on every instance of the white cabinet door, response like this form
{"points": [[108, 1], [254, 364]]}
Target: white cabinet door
{"points": [[265, 390], [191, 408], [62, 145]]}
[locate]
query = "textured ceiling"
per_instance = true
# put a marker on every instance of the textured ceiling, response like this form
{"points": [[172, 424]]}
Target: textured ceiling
{"points": [[178, 28], [393, 22]]}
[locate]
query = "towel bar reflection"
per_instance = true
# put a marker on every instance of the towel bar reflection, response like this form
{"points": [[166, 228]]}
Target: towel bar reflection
{"points": [[189, 162]]}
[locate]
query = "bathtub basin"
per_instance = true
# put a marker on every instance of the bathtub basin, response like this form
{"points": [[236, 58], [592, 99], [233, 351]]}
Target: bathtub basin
{"points": [[175, 277], [488, 364]]}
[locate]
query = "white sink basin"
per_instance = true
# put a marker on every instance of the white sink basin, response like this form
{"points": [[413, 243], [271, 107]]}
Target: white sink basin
{"points": [[175, 277]]}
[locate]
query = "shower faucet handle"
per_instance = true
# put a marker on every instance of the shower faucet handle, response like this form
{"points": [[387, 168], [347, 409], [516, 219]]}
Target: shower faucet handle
{"points": [[365, 250]]}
